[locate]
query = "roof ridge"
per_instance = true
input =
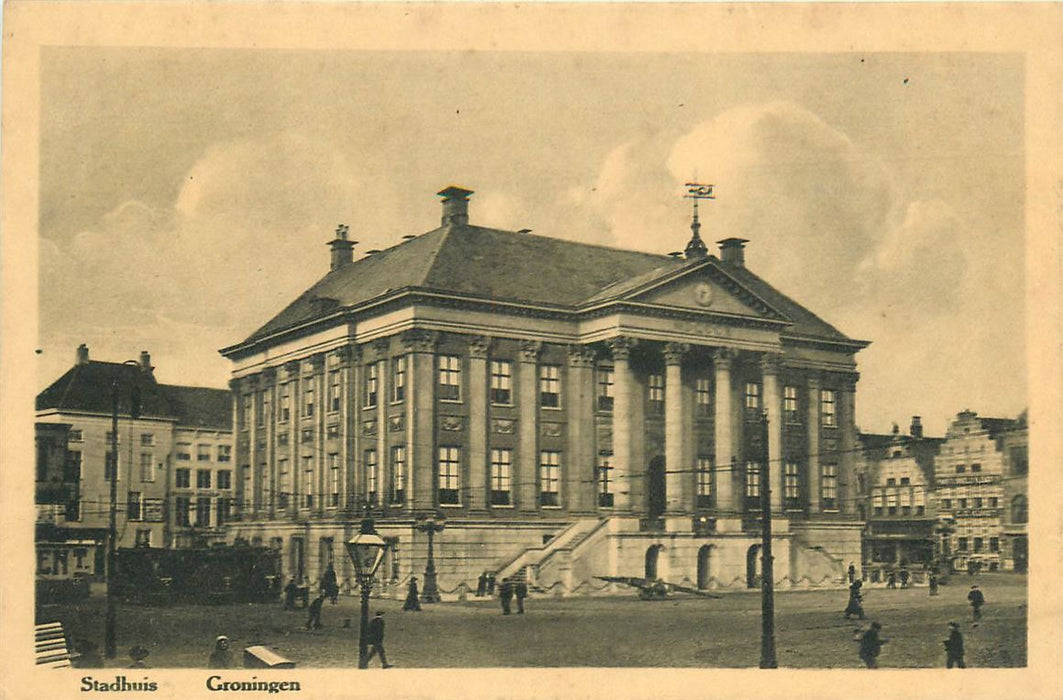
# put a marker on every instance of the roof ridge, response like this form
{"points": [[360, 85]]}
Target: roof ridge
{"points": [[67, 388], [601, 246]]}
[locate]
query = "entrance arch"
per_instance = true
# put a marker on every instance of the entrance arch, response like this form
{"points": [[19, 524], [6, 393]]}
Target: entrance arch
{"points": [[753, 566], [704, 566], [655, 487], [652, 553]]}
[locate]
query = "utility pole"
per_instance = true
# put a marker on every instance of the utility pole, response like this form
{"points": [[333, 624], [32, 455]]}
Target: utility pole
{"points": [[767, 568]]}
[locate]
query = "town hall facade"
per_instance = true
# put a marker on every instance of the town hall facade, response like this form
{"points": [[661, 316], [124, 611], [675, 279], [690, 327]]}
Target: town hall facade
{"points": [[569, 410]]}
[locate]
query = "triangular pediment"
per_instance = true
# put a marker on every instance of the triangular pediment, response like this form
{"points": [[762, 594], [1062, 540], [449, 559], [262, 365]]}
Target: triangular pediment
{"points": [[703, 288]]}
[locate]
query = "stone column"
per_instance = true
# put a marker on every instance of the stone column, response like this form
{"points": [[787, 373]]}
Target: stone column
{"points": [[527, 472], [320, 409], [771, 367], [383, 466], [250, 388], [622, 424], [847, 488], [349, 357], [813, 444], [677, 466], [724, 464], [293, 373], [420, 416], [582, 462], [269, 386], [479, 347]]}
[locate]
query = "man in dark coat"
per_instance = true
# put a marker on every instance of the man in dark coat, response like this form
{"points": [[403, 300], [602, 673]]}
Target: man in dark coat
{"points": [[852, 572], [289, 595], [854, 607], [505, 594], [375, 637], [314, 620], [977, 601], [413, 598], [481, 585], [522, 593], [871, 645], [490, 583], [329, 587], [954, 647], [221, 657], [932, 578]]}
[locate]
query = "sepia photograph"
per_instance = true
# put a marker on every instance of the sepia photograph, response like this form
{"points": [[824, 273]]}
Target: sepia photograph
{"points": [[589, 355]]}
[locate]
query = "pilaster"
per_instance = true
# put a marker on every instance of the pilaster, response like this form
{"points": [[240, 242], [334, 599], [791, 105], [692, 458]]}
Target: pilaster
{"points": [[527, 476], [582, 462], [813, 444], [724, 463], [771, 365], [677, 467], [420, 432], [479, 348], [622, 424]]}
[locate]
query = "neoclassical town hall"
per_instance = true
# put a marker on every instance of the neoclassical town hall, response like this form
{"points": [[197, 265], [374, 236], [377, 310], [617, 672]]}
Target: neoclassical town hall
{"points": [[568, 410]]}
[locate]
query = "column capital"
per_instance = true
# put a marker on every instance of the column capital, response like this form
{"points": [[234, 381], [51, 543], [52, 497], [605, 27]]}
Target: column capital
{"points": [[849, 380], [250, 382], [815, 380], [269, 376], [529, 350], [479, 346], [419, 340], [674, 352], [724, 357], [234, 385], [291, 369], [771, 363], [580, 356], [347, 354], [382, 346], [317, 361], [621, 347]]}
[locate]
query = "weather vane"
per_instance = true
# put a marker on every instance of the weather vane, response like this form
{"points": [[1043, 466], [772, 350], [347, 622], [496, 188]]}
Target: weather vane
{"points": [[696, 191]]}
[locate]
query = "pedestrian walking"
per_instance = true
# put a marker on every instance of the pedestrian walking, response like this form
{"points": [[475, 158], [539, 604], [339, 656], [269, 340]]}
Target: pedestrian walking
{"points": [[852, 573], [491, 583], [221, 657], [977, 600], [522, 593], [854, 606], [329, 587], [289, 595], [505, 594], [314, 620], [871, 644], [375, 638], [954, 647], [413, 598], [481, 585], [932, 578], [904, 578], [891, 580]]}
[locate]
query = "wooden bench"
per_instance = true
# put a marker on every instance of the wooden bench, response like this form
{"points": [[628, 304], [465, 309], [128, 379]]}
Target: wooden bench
{"points": [[50, 646], [262, 657]]}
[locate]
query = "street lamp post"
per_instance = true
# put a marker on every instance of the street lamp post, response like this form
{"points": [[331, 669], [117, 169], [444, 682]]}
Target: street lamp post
{"points": [[110, 639], [431, 524], [767, 566], [366, 550]]}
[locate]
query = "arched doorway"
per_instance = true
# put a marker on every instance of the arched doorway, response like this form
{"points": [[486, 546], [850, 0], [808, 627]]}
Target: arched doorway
{"points": [[704, 566], [753, 566], [655, 493], [651, 561]]}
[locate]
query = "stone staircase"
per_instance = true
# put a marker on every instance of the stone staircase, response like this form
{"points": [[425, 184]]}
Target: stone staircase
{"points": [[525, 565]]}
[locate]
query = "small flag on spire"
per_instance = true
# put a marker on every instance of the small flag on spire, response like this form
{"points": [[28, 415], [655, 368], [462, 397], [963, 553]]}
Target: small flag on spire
{"points": [[696, 190]]}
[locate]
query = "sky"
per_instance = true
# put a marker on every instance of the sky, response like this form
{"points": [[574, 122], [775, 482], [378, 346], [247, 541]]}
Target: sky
{"points": [[186, 195]]}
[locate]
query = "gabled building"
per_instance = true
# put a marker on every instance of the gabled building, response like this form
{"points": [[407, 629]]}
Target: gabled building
{"points": [[980, 477], [572, 410], [174, 461]]}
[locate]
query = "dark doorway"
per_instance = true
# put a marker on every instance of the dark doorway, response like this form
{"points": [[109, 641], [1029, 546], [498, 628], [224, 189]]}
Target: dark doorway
{"points": [[651, 561], [655, 489], [297, 560], [753, 566], [1020, 554], [704, 564]]}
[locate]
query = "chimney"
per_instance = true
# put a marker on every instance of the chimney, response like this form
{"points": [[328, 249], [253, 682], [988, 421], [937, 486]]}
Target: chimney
{"points": [[342, 248], [145, 361], [455, 205], [83, 354], [732, 250], [916, 428]]}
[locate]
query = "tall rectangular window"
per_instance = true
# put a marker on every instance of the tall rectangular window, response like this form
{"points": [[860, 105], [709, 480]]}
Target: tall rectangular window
{"points": [[286, 403], [225, 453], [450, 378], [826, 401], [133, 506], [284, 483], [550, 386], [550, 478], [919, 500], [828, 484], [753, 484], [225, 479], [308, 482], [370, 477], [245, 411], [370, 384], [994, 544], [224, 509], [398, 474], [260, 408], [961, 544], [703, 397], [605, 388], [203, 479], [203, 453], [183, 478], [791, 483], [398, 379], [704, 483], [308, 397], [147, 467], [501, 476], [203, 511], [333, 464], [752, 397], [449, 475], [605, 481], [501, 382], [334, 391], [182, 510], [655, 393], [184, 451], [790, 405]]}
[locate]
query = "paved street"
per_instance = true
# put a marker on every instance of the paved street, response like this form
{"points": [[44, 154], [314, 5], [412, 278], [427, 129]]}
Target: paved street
{"points": [[624, 631]]}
